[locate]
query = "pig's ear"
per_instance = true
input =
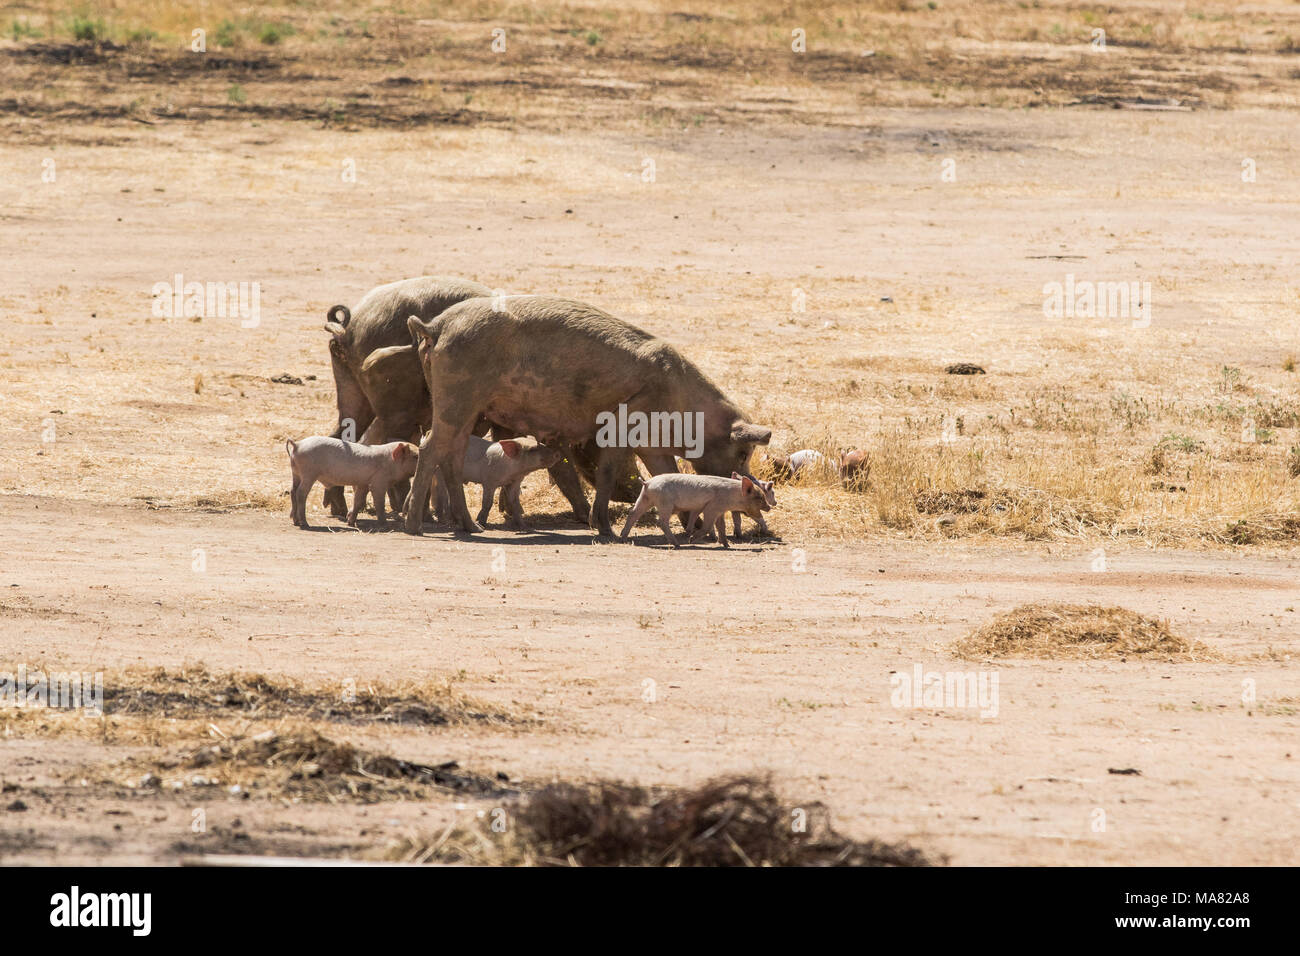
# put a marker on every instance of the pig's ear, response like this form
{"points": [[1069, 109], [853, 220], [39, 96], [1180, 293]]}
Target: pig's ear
{"points": [[399, 450], [511, 447], [385, 357], [736, 476], [746, 486], [744, 432], [418, 329]]}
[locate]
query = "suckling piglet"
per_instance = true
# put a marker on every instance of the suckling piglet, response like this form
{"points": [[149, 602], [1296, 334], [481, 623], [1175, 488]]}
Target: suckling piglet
{"points": [[503, 464]]}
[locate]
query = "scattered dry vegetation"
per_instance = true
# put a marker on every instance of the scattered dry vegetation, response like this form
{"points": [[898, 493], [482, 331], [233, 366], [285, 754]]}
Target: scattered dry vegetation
{"points": [[654, 64], [1072, 631], [298, 763], [197, 693], [735, 821]]}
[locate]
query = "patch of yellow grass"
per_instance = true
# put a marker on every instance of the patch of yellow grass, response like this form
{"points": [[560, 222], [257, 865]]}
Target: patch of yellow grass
{"points": [[1077, 631]]}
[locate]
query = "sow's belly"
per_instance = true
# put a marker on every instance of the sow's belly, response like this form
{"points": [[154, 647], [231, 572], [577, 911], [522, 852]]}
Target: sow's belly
{"points": [[542, 417]]}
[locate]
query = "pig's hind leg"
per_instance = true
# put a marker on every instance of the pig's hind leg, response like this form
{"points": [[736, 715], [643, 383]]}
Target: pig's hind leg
{"points": [[641, 507], [359, 493], [304, 483], [293, 499]]}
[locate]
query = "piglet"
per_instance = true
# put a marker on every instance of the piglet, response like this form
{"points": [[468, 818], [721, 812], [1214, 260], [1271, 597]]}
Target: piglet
{"points": [[754, 510], [331, 461], [787, 468], [855, 466], [503, 464], [705, 495]]}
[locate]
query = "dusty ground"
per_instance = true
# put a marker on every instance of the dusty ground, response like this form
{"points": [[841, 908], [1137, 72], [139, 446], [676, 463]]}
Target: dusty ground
{"points": [[132, 439]]}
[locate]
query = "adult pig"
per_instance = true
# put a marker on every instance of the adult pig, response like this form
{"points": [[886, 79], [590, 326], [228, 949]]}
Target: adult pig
{"points": [[395, 391], [549, 367], [377, 375]]}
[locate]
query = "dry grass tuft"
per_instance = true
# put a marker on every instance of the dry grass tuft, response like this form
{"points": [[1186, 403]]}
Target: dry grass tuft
{"points": [[195, 692], [733, 821], [299, 763], [1077, 631]]}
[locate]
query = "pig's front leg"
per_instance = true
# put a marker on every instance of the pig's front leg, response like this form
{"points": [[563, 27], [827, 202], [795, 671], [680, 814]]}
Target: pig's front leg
{"points": [[713, 518], [483, 512], [515, 517], [666, 523]]}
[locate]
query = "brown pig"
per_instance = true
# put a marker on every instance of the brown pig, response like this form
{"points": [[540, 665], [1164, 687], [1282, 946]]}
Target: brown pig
{"points": [[396, 393], [367, 468], [555, 368], [855, 466], [380, 383], [706, 495]]}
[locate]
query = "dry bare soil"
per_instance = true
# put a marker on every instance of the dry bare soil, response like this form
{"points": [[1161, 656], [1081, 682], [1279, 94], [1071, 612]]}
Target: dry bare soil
{"points": [[784, 218]]}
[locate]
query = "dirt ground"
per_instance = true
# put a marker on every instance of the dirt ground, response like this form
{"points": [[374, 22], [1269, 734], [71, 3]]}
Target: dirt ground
{"points": [[143, 482]]}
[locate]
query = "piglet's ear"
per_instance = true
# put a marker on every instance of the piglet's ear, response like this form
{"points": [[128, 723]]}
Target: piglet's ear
{"points": [[398, 450], [736, 476], [511, 447], [746, 486]]}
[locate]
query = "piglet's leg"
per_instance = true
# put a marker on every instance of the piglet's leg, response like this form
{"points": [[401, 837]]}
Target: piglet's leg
{"points": [[483, 512], [713, 518], [666, 522], [516, 519], [359, 493]]}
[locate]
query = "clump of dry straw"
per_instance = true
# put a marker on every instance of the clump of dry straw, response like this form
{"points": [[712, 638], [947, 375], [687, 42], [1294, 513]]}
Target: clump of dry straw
{"points": [[1078, 631]]}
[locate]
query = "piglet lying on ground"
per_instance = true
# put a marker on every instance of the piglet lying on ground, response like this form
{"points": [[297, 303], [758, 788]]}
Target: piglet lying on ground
{"points": [[855, 466], [788, 468], [705, 495], [502, 464], [331, 461]]}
